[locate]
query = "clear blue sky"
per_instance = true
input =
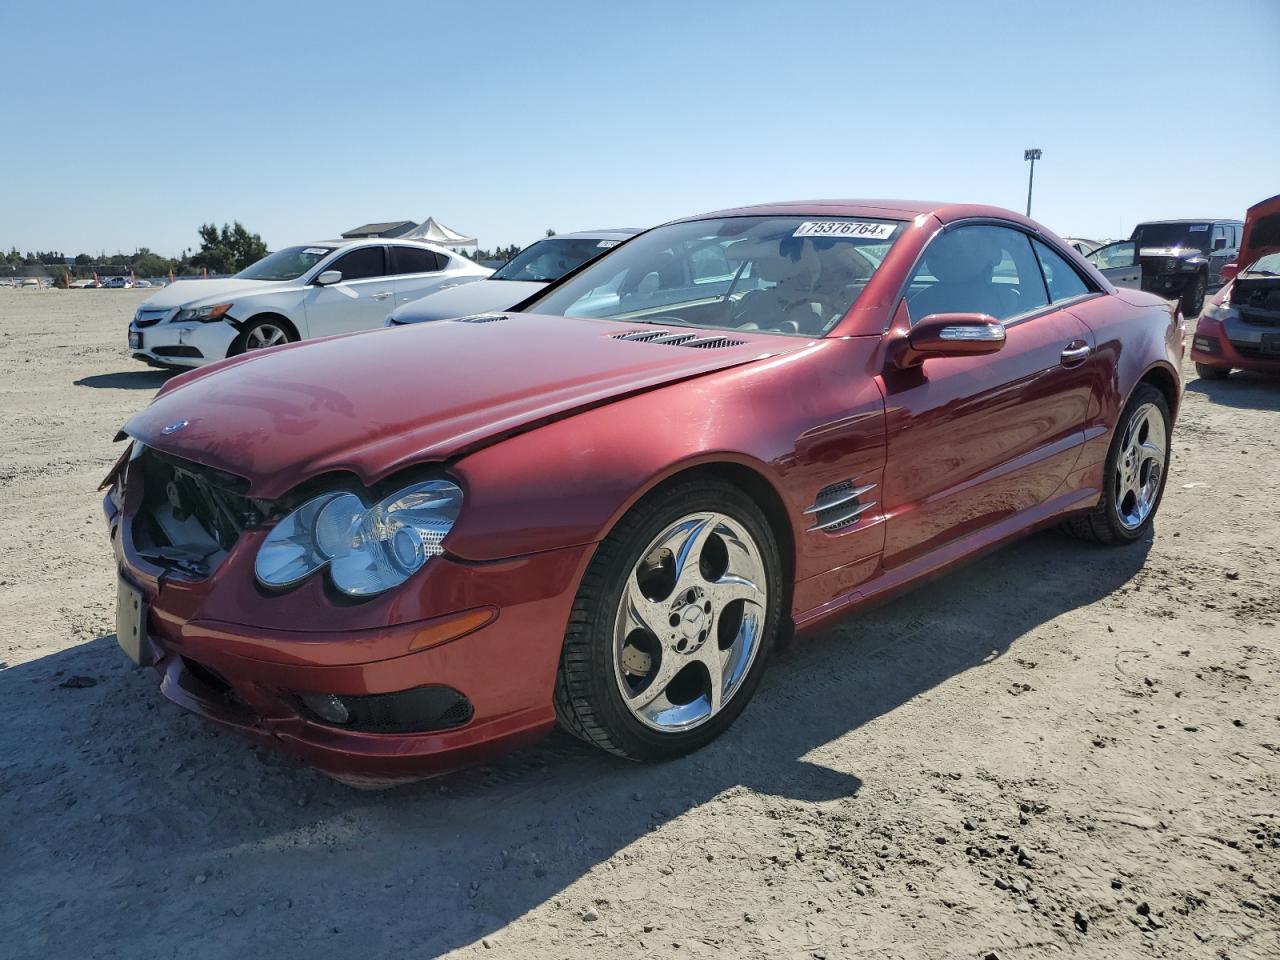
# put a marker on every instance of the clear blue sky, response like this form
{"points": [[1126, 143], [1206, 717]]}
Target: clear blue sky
{"points": [[129, 124]]}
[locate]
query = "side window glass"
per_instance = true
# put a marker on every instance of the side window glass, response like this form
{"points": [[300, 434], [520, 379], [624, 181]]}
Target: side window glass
{"points": [[1059, 276], [413, 260], [977, 269], [361, 264], [1113, 255]]}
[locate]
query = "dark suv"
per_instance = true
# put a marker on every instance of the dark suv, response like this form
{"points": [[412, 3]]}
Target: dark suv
{"points": [[1174, 258]]}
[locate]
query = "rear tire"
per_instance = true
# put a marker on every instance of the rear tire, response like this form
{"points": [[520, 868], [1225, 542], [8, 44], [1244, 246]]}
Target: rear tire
{"points": [[1206, 372], [1125, 510], [681, 554]]}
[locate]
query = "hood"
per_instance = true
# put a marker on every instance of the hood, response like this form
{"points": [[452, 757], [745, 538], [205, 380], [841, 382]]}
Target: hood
{"points": [[1261, 232], [180, 293], [375, 402], [467, 298]]}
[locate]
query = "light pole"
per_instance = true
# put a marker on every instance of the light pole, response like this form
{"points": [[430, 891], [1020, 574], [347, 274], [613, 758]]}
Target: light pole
{"points": [[1033, 155]]}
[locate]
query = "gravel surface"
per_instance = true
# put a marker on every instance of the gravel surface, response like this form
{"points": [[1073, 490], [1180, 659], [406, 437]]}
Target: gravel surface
{"points": [[1059, 750]]}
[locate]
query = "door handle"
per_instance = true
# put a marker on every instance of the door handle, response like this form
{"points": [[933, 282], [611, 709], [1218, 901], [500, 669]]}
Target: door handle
{"points": [[381, 296], [1077, 351]]}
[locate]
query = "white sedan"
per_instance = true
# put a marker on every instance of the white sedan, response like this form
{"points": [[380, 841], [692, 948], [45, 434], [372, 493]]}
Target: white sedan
{"points": [[313, 290]]}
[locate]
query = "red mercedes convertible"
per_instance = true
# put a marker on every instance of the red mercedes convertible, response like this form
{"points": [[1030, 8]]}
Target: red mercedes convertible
{"points": [[394, 553]]}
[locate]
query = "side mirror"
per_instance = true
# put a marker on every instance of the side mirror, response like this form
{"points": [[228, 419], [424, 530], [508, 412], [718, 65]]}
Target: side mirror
{"points": [[329, 277], [951, 335], [1229, 271], [1220, 243]]}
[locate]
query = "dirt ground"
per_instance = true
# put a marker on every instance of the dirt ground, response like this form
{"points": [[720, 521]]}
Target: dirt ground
{"points": [[1060, 750]]}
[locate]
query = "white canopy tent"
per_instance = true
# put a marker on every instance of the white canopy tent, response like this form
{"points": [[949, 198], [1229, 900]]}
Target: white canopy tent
{"points": [[434, 232]]}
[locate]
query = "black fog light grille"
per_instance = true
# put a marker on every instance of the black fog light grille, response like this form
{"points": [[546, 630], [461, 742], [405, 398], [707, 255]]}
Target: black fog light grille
{"points": [[1207, 344], [419, 710]]}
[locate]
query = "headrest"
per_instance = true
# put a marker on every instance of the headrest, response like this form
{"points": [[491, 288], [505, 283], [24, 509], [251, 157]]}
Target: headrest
{"points": [[962, 256]]}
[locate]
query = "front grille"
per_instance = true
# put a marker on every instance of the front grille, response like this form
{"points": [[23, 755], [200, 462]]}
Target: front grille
{"points": [[190, 515], [1253, 350], [149, 318]]}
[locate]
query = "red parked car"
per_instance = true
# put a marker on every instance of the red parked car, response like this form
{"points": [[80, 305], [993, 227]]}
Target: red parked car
{"points": [[1240, 329], [394, 553]]}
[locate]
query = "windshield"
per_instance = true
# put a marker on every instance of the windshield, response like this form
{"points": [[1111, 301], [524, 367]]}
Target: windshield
{"points": [[551, 259], [793, 275], [1166, 236], [1268, 266], [287, 264]]}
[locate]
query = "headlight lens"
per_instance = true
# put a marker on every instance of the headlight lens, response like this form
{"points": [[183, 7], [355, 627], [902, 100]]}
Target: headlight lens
{"points": [[1216, 311], [368, 550], [203, 314]]}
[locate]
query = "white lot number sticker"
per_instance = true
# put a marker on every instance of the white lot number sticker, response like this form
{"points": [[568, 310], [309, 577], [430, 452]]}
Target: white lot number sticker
{"points": [[1198, 228], [845, 228], [606, 244], [316, 251]]}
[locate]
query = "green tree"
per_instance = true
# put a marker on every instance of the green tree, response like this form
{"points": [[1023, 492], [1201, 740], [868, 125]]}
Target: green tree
{"points": [[228, 250], [83, 259]]}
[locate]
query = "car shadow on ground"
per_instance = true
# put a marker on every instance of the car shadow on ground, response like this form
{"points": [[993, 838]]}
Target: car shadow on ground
{"points": [[1244, 389], [138, 820], [127, 380]]}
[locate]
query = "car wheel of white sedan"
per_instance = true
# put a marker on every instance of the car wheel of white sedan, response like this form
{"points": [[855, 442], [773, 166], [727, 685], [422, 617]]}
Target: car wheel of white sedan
{"points": [[673, 623], [258, 334]]}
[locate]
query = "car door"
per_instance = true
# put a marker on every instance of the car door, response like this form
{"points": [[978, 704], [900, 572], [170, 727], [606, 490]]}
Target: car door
{"points": [[361, 300], [976, 440], [1119, 263], [417, 272], [1223, 249]]}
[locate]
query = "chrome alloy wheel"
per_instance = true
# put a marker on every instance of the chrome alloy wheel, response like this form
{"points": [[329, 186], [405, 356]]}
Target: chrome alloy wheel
{"points": [[1140, 466], [689, 622], [265, 335]]}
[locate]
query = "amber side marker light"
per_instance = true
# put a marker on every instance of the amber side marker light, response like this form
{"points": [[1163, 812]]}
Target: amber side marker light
{"points": [[451, 627]]}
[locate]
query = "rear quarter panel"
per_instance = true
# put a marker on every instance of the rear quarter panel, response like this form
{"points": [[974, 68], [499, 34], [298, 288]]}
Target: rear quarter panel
{"points": [[1136, 333]]}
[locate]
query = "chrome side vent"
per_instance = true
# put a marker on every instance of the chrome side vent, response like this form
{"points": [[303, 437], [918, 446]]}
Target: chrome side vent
{"points": [[481, 318], [677, 339], [839, 506]]}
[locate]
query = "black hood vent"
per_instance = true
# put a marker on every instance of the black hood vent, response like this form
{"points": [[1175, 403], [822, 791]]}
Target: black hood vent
{"points": [[481, 318], [670, 339]]}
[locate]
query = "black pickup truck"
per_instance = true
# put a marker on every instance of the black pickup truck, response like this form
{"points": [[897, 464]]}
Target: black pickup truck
{"points": [[1178, 259]]}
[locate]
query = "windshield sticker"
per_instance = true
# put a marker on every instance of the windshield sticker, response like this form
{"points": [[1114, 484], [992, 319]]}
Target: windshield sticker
{"points": [[1159, 251], [1199, 227], [606, 244], [317, 251], [845, 228]]}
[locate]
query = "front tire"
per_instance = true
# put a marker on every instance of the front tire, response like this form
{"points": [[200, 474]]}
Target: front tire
{"points": [[1206, 372], [1135, 473], [1193, 298], [263, 332], [673, 623]]}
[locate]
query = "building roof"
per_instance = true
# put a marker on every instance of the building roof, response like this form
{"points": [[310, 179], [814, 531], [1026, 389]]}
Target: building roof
{"points": [[392, 228]]}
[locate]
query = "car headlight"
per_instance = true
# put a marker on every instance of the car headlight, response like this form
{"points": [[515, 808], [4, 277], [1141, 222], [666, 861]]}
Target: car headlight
{"points": [[1192, 263], [203, 314], [367, 550], [1216, 311]]}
